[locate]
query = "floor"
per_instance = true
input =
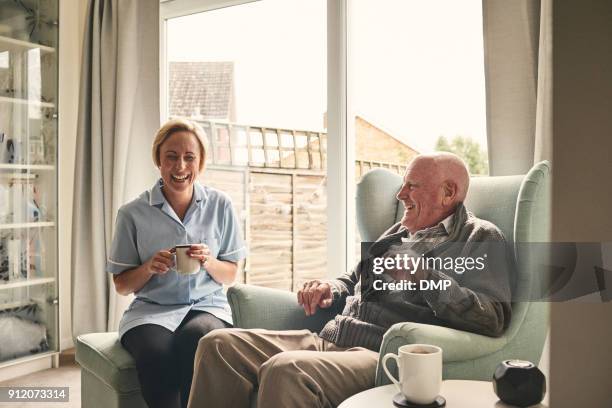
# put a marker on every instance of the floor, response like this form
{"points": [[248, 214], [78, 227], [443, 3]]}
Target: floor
{"points": [[67, 375]]}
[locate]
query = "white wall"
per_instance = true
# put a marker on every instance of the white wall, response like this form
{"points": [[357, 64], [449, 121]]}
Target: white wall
{"points": [[72, 20], [581, 332]]}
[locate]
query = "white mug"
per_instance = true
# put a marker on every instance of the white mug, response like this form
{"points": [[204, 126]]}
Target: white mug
{"points": [[420, 372], [186, 265]]}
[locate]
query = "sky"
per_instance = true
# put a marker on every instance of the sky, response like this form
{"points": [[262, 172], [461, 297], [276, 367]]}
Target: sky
{"points": [[415, 67]]}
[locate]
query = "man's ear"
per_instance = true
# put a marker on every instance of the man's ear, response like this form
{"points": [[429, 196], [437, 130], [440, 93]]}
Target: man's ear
{"points": [[450, 192]]}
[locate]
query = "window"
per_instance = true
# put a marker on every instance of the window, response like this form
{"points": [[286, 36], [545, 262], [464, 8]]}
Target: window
{"points": [[254, 76], [417, 75], [405, 77]]}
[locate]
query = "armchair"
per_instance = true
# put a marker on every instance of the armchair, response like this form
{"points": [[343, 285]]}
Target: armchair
{"points": [[516, 204]]}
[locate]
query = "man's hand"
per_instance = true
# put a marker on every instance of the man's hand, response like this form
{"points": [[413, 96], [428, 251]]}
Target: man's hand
{"points": [[406, 274], [315, 293]]}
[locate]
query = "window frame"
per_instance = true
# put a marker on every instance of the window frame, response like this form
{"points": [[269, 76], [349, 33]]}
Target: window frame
{"points": [[340, 143]]}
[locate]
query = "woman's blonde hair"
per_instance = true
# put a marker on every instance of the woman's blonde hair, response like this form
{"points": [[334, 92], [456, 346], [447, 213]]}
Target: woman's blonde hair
{"points": [[179, 125]]}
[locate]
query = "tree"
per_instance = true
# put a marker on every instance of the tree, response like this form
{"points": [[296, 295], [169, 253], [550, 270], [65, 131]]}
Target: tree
{"points": [[469, 150]]}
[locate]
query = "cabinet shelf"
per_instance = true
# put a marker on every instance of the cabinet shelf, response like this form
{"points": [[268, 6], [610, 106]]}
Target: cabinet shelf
{"points": [[11, 44], [19, 176], [25, 282], [20, 101], [5, 166], [38, 224], [15, 305]]}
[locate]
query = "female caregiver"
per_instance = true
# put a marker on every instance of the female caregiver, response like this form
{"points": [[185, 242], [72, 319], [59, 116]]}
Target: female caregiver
{"points": [[171, 312]]}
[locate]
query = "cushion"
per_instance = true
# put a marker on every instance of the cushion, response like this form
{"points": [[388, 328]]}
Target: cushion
{"points": [[494, 199], [103, 355], [490, 198], [376, 206]]}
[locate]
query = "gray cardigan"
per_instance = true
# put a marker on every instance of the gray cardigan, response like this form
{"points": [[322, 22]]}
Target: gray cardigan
{"points": [[476, 301]]}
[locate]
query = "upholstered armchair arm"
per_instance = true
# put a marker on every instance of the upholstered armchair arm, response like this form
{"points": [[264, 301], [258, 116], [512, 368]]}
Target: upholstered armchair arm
{"points": [[274, 309], [457, 345]]}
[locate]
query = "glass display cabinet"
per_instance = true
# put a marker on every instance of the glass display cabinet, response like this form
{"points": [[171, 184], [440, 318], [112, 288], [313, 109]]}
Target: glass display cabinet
{"points": [[29, 326]]}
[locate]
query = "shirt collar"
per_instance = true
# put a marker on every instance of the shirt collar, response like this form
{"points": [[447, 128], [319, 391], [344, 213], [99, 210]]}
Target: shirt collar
{"points": [[156, 197], [200, 193], [446, 223]]}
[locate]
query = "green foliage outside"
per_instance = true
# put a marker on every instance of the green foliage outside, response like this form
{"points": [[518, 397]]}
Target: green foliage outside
{"points": [[469, 150]]}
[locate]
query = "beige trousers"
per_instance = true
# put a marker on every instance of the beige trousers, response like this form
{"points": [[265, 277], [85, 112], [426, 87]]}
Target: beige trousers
{"points": [[281, 369]]}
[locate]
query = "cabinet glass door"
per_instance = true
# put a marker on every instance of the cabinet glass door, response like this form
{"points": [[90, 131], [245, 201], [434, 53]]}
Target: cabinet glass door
{"points": [[28, 178]]}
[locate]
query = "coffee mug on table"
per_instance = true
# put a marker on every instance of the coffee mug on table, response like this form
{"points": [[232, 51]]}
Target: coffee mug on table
{"points": [[420, 372], [186, 265]]}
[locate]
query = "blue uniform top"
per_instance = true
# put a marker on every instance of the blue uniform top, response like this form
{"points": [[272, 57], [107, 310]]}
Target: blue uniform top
{"points": [[149, 224]]}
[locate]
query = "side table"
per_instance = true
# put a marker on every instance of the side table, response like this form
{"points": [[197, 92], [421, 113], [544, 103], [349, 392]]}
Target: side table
{"points": [[458, 394]]}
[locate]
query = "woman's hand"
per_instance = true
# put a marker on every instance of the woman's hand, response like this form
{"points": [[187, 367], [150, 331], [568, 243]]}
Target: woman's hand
{"points": [[200, 252], [223, 272], [132, 280], [161, 262]]}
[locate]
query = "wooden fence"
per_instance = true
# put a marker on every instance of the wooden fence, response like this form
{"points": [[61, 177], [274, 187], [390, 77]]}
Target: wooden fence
{"points": [[277, 181]]}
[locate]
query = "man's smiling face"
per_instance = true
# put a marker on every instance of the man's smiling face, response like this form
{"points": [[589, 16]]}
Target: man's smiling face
{"points": [[422, 195]]}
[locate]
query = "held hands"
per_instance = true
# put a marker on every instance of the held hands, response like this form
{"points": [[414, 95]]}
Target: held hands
{"points": [[200, 252], [315, 293], [163, 260]]}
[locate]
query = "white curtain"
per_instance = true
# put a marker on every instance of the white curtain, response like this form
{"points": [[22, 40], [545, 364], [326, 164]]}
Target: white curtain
{"points": [[544, 128], [518, 74], [118, 116]]}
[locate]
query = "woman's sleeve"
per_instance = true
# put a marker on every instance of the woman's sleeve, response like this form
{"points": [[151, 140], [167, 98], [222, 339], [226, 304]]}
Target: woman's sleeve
{"points": [[231, 247], [124, 253]]}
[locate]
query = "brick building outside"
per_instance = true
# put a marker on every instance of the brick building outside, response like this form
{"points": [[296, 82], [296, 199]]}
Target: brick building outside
{"points": [[203, 90]]}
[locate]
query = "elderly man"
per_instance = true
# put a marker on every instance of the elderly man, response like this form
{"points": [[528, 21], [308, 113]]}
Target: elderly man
{"points": [[298, 368]]}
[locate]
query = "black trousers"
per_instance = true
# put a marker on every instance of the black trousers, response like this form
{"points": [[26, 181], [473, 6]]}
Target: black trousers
{"points": [[164, 360]]}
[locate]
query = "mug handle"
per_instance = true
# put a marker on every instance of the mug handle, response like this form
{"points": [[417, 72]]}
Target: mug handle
{"points": [[391, 377]]}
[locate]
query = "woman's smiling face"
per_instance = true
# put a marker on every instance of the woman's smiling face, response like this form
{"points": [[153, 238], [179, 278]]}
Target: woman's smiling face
{"points": [[180, 156]]}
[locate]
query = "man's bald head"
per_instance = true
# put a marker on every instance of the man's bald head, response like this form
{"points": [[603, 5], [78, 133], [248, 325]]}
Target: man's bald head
{"points": [[434, 184], [447, 167]]}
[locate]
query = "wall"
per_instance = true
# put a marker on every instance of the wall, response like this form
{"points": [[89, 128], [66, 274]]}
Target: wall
{"points": [[72, 20], [581, 356], [375, 144]]}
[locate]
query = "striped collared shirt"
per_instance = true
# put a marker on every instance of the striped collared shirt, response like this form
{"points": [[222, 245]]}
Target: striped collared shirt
{"points": [[424, 239]]}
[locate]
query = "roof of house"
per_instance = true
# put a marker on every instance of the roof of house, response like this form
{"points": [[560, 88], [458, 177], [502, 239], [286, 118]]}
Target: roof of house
{"points": [[201, 89], [383, 130]]}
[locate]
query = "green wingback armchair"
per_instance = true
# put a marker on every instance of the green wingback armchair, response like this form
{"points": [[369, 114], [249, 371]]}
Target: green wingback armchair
{"points": [[516, 204]]}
